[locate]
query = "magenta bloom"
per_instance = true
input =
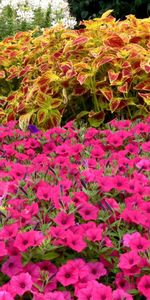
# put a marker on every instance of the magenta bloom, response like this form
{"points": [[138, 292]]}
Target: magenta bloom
{"points": [[144, 285], [12, 266], [75, 242], [129, 260], [120, 294], [67, 275], [3, 250], [21, 283], [88, 212], [24, 240], [102, 292], [96, 270], [5, 296], [64, 220]]}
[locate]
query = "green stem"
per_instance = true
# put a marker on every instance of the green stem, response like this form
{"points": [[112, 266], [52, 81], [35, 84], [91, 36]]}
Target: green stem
{"points": [[96, 104]]}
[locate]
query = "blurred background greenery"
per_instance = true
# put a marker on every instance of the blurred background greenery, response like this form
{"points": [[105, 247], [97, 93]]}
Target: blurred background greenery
{"points": [[25, 16]]}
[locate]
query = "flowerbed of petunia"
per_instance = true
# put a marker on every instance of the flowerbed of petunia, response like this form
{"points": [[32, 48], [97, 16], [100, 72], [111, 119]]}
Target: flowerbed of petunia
{"points": [[75, 212]]}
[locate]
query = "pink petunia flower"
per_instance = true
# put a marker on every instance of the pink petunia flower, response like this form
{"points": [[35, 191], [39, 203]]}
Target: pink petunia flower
{"points": [[67, 275], [24, 240], [139, 244], [144, 285], [12, 266], [119, 294], [88, 212], [96, 270], [3, 250], [5, 296], [122, 282], [21, 283], [64, 220], [102, 292], [129, 260], [75, 242]]}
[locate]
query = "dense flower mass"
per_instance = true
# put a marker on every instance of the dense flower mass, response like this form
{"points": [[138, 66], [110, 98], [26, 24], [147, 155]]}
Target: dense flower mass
{"points": [[75, 212]]}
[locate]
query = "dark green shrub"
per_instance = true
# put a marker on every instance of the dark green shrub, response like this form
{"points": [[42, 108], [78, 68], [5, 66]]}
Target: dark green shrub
{"points": [[87, 9]]}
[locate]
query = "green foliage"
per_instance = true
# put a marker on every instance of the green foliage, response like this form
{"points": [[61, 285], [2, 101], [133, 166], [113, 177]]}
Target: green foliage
{"points": [[10, 24], [87, 9]]}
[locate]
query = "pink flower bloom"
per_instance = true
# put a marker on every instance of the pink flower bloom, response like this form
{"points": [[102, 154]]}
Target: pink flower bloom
{"points": [[64, 220], [129, 260], [102, 292], [94, 234], [75, 241], [128, 237], [146, 146], [139, 244], [88, 212], [3, 190], [5, 296], [21, 283], [55, 296], [96, 270], [143, 163], [12, 266], [24, 240], [119, 182], [122, 283], [44, 193], [144, 285], [3, 250], [67, 275], [115, 140], [9, 231], [119, 294]]}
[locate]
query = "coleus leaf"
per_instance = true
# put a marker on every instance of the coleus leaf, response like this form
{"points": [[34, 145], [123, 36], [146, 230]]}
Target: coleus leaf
{"points": [[124, 88], [115, 41], [80, 40], [2, 74], [82, 77], [113, 76], [82, 114], [42, 115], [107, 92], [24, 120], [145, 86], [103, 60], [96, 118], [146, 97]]}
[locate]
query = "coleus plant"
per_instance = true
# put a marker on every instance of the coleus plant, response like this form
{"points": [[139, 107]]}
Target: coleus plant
{"points": [[64, 74]]}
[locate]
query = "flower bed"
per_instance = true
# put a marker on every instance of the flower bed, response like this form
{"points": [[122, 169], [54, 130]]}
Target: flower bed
{"points": [[75, 214]]}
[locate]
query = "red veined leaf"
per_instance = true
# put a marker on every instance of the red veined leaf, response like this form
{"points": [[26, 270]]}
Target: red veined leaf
{"points": [[145, 86], [114, 104], [42, 115], [123, 88], [2, 74], [115, 41], [80, 40], [146, 97], [112, 75], [82, 77], [103, 60], [107, 92]]}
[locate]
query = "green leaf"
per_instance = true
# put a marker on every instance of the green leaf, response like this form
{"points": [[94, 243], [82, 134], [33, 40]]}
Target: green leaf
{"points": [[82, 114], [49, 256], [96, 118]]}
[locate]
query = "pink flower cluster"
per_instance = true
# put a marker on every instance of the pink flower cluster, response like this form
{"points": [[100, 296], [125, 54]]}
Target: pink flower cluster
{"points": [[75, 212]]}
